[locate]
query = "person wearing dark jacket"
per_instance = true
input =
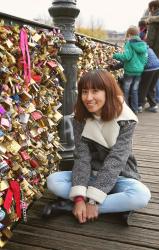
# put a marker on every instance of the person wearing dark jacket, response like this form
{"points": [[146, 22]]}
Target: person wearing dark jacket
{"points": [[153, 41], [134, 58], [148, 83], [153, 26], [104, 178]]}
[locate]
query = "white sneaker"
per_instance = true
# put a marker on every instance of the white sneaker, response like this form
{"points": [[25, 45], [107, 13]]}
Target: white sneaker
{"points": [[153, 109], [140, 109]]}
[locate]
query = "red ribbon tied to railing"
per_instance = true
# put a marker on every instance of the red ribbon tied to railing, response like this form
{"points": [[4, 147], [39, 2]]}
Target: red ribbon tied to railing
{"points": [[13, 191]]}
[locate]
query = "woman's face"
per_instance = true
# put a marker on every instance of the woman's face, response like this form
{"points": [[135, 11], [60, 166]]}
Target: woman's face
{"points": [[93, 100]]}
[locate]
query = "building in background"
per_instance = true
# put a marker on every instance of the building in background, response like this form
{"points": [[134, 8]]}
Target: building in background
{"points": [[115, 37]]}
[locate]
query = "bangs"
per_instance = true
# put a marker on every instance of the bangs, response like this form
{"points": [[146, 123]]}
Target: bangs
{"points": [[93, 81]]}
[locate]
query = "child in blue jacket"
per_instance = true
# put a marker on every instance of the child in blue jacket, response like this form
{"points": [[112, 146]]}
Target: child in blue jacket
{"points": [[134, 58]]}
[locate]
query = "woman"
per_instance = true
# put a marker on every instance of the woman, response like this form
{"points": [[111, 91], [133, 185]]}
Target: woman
{"points": [[104, 178]]}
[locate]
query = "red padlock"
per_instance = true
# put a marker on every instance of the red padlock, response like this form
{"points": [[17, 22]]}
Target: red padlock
{"points": [[34, 163], [37, 78], [36, 115], [25, 155]]}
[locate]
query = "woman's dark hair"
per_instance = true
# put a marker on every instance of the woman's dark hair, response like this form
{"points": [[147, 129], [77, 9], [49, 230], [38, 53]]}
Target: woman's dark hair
{"points": [[153, 4], [104, 80]]}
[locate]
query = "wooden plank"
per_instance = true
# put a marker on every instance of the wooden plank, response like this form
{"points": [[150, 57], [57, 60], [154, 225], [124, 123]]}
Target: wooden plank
{"points": [[148, 164], [100, 229], [152, 186], [144, 221], [67, 241], [147, 158], [155, 197], [144, 149], [151, 209], [140, 152], [153, 179], [17, 246], [150, 171]]}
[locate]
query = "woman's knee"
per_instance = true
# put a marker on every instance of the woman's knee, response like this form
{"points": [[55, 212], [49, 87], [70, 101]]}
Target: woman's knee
{"points": [[52, 181], [140, 197], [144, 197], [56, 181]]}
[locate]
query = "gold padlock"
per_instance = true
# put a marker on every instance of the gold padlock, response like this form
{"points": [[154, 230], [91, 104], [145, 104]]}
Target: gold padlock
{"points": [[2, 243], [3, 185], [1, 201], [7, 233]]}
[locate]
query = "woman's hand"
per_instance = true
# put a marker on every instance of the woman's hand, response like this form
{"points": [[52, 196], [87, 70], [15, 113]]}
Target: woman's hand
{"points": [[79, 211], [91, 211]]}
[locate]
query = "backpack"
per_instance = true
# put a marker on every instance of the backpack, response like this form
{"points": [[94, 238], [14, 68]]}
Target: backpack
{"points": [[152, 61]]}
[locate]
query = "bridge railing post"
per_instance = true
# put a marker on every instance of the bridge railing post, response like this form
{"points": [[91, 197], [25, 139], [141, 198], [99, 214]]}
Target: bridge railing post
{"points": [[64, 13]]}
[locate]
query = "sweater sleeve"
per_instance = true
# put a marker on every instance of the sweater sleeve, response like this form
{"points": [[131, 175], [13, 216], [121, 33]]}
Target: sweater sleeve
{"points": [[82, 168], [113, 163], [126, 55], [151, 35], [153, 19]]}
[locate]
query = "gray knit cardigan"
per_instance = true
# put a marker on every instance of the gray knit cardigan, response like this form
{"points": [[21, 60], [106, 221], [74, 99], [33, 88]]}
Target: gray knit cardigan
{"points": [[106, 162]]}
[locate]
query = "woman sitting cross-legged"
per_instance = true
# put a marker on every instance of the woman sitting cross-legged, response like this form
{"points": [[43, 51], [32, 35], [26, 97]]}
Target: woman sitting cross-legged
{"points": [[104, 178]]}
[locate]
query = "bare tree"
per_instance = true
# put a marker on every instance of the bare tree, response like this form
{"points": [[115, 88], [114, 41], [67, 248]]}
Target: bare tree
{"points": [[44, 19]]}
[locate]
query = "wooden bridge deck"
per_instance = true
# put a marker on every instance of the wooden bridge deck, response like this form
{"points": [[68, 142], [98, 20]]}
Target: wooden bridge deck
{"points": [[108, 232]]}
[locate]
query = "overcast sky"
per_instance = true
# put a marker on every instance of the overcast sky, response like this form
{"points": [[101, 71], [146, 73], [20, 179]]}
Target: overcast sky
{"points": [[111, 14]]}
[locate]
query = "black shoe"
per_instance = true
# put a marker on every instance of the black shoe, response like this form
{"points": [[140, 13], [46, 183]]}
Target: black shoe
{"points": [[126, 217], [58, 207]]}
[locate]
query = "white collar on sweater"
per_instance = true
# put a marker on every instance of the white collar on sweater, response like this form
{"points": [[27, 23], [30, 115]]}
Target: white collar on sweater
{"points": [[108, 133]]}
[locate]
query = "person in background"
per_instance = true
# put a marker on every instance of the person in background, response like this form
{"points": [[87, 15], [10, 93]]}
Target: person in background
{"points": [[104, 178], [157, 91], [153, 26], [134, 58], [153, 36], [148, 83]]}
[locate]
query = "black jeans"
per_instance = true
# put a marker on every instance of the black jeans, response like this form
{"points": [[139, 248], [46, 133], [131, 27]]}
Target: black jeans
{"points": [[147, 87]]}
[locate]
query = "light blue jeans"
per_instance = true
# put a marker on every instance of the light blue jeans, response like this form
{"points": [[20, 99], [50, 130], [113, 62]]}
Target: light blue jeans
{"points": [[128, 194], [130, 89]]}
